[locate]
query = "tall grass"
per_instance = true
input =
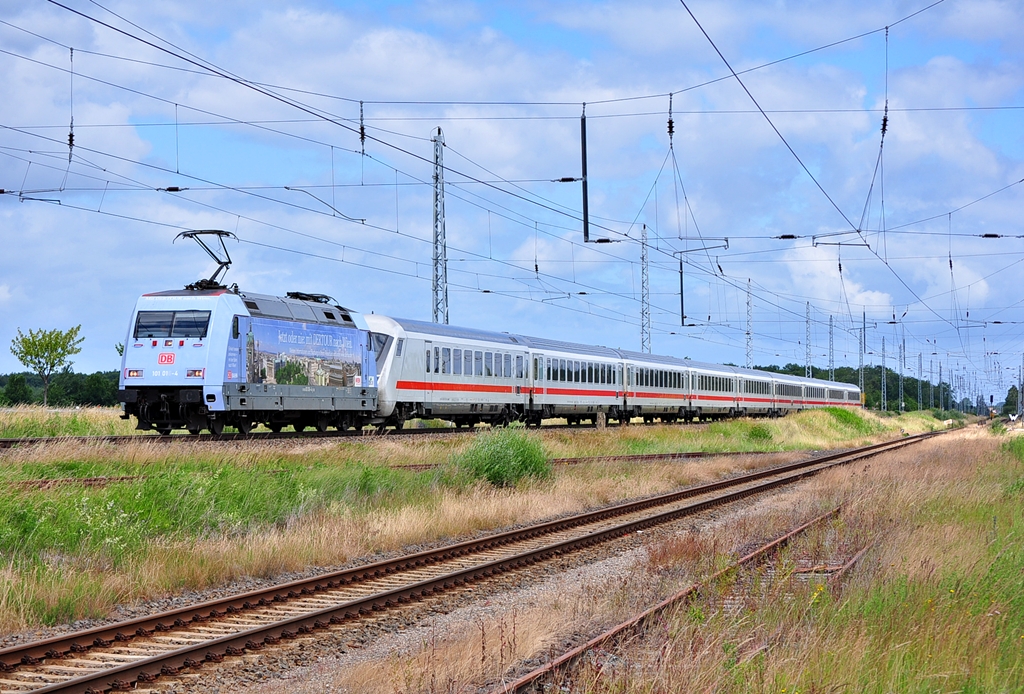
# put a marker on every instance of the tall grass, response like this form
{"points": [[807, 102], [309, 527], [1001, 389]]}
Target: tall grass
{"points": [[35, 421], [200, 515], [505, 457], [939, 606]]}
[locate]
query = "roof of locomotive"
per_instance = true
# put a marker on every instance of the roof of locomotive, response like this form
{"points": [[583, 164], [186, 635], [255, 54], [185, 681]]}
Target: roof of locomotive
{"points": [[281, 307]]}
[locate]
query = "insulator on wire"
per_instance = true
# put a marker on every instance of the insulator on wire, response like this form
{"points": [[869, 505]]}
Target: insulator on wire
{"points": [[362, 130], [671, 123]]}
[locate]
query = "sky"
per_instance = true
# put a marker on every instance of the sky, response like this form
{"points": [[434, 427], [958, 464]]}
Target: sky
{"points": [[777, 189]]}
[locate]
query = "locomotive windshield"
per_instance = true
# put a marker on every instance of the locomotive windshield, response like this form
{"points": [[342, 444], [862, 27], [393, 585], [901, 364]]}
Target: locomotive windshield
{"points": [[172, 324]]}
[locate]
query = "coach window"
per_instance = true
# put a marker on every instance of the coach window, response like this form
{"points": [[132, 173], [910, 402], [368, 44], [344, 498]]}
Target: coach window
{"points": [[488, 363], [478, 363], [428, 360], [467, 361], [547, 370], [519, 366], [446, 360], [437, 359], [398, 347], [457, 362], [561, 370]]}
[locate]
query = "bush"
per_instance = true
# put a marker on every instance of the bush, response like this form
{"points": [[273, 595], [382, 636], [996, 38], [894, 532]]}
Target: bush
{"points": [[17, 391], [759, 433], [503, 457], [849, 419]]}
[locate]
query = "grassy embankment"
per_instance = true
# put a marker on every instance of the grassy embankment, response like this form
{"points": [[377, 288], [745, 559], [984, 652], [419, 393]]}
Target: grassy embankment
{"points": [[36, 421], [203, 515], [936, 606], [939, 607]]}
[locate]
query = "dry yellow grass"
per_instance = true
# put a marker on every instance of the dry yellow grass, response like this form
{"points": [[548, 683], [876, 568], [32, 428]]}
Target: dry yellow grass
{"points": [[36, 420], [88, 585], [788, 637]]}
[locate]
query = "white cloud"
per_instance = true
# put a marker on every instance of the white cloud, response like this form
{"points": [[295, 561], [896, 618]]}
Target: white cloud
{"points": [[740, 180]]}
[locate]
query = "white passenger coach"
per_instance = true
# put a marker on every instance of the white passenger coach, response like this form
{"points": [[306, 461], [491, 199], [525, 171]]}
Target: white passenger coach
{"points": [[466, 376]]}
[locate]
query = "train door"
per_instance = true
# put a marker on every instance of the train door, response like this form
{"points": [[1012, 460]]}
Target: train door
{"points": [[537, 384], [432, 356]]}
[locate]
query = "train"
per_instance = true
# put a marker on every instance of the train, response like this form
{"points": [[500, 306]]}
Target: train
{"points": [[208, 357]]}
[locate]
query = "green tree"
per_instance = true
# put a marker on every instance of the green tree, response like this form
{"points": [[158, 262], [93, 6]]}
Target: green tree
{"points": [[17, 390], [46, 351], [1010, 406]]}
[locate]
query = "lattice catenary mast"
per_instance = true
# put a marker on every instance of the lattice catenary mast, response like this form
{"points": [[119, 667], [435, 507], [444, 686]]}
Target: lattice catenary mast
{"points": [[807, 369], [863, 343], [831, 353], [885, 394], [440, 278], [750, 325], [920, 375], [645, 295], [903, 365]]}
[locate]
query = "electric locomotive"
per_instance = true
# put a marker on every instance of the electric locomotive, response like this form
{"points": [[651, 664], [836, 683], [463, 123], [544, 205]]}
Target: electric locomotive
{"points": [[209, 356]]}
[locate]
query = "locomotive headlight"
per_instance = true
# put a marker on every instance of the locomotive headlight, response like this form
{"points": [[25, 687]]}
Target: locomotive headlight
{"points": [[133, 373], [195, 373]]}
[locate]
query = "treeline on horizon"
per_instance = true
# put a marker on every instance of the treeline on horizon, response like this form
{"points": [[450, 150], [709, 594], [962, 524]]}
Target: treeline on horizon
{"points": [[69, 388]]}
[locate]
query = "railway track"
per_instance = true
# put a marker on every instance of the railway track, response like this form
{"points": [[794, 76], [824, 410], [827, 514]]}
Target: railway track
{"points": [[554, 674], [364, 434], [228, 438], [138, 651], [52, 482]]}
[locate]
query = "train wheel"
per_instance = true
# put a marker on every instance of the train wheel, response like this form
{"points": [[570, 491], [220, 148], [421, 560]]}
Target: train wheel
{"points": [[299, 427], [163, 431], [275, 427], [193, 430], [322, 423], [217, 426], [244, 427]]}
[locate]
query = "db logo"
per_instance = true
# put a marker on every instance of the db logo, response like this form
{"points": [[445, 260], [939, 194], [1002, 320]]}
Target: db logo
{"points": [[166, 358]]}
